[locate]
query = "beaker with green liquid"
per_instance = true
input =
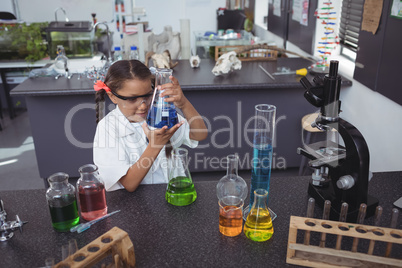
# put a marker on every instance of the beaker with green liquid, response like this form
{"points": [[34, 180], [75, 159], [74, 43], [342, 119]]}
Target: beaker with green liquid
{"points": [[180, 189], [258, 226]]}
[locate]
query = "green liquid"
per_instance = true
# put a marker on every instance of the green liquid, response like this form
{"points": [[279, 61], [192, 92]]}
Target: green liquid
{"points": [[180, 191], [63, 218], [258, 226]]}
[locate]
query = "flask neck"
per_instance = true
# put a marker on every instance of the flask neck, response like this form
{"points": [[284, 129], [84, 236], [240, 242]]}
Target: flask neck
{"points": [[89, 172], [179, 157], [260, 199], [232, 168], [162, 76], [58, 180]]}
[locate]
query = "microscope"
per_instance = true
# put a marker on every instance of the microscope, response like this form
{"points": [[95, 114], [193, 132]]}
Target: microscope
{"points": [[341, 172]]}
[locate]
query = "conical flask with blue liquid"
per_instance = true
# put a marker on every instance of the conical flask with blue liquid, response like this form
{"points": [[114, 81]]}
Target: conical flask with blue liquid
{"points": [[161, 113]]}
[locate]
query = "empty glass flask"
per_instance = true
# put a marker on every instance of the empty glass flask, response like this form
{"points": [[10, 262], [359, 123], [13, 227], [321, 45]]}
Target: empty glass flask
{"points": [[180, 189], [258, 226], [161, 113], [232, 184], [91, 193], [61, 198]]}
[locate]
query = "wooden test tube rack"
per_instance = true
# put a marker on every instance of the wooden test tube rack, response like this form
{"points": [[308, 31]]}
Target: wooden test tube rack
{"points": [[315, 256], [115, 242]]}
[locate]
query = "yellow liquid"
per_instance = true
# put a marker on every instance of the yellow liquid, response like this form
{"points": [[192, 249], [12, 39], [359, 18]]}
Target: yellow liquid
{"points": [[259, 228], [230, 220]]}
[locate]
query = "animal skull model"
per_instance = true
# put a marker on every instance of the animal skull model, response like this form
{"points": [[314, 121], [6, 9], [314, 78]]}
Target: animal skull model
{"points": [[160, 60], [195, 61], [226, 63]]}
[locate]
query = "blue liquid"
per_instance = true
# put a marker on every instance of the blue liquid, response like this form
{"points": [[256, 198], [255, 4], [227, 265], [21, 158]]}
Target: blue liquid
{"points": [[159, 118], [261, 170]]}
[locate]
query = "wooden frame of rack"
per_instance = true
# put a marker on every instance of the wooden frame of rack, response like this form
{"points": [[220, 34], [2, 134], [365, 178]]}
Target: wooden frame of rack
{"points": [[321, 256]]}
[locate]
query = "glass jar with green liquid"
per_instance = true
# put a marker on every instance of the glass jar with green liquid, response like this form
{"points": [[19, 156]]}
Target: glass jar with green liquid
{"points": [[180, 189], [62, 201], [258, 226]]}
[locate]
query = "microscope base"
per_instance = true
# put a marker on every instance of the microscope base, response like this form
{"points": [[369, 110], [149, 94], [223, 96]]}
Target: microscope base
{"points": [[325, 193]]}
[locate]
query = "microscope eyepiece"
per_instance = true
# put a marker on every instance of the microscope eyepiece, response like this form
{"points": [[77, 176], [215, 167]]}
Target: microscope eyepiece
{"points": [[333, 69]]}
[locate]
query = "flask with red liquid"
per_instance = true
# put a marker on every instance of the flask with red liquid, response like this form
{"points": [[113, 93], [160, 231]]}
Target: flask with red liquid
{"points": [[91, 193]]}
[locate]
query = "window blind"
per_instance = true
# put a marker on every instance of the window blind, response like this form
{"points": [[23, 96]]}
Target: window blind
{"points": [[349, 27]]}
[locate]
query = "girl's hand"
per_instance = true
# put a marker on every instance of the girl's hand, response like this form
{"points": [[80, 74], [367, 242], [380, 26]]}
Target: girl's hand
{"points": [[173, 90], [159, 137]]}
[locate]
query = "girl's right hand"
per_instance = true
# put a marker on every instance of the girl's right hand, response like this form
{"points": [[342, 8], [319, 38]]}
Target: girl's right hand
{"points": [[160, 137]]}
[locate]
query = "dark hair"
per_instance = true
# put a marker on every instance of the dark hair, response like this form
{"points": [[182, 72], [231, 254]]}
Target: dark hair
{"points": [[120, 72]]}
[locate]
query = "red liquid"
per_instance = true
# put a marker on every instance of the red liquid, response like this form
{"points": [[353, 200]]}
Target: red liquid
{"points": [[230, 220], [92, 202]]}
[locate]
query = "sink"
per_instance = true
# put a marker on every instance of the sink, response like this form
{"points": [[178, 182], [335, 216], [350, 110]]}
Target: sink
{"points": [[69, 26]]}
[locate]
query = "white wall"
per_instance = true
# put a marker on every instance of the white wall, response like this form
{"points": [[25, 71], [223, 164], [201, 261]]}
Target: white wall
{"points": [[77, 10], [6, 6], [378, 119], [201, 13], [159, 13]]}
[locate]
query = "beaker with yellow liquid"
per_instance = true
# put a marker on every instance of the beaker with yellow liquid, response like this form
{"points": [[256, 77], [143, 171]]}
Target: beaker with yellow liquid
{"points": [[258, 226]]}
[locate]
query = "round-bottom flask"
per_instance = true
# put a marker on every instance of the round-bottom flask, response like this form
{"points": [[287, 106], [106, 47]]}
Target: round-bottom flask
{"points": [[231, 191], [62, 202], [258, 226]]}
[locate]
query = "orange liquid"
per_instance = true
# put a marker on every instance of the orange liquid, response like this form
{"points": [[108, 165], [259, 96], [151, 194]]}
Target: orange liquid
{"points": [[230, 220]]}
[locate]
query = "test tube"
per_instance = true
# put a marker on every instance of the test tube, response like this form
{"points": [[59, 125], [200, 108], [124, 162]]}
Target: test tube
{"points": [[69, 249], [325, 216], [377, 217], [342, 218], [394, 220], [310, 214], [360, 220], [49, 262]]}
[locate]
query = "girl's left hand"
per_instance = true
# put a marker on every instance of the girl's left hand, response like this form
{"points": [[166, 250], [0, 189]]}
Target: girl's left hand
{"points": [[174, 93]]}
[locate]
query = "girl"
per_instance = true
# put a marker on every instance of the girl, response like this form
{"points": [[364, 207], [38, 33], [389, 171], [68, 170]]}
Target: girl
{"points": [[126, 151]]}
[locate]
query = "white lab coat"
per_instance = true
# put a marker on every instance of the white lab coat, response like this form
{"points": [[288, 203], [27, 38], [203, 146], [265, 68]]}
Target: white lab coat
{"points": [[118, 144]]}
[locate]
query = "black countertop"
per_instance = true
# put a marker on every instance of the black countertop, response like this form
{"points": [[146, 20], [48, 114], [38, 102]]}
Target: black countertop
{"points": [[202, 78], [167, 236]]}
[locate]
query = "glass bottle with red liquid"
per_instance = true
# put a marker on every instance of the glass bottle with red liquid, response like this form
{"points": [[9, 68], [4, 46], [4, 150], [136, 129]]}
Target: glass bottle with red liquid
{"points": [[91, 193]]}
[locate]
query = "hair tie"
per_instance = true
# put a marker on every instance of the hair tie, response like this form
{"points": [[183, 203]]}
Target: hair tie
{"points": [[100, 85]]}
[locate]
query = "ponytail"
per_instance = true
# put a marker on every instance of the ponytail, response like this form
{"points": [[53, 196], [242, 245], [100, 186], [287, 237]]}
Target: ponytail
{"points": [[99, 99]]}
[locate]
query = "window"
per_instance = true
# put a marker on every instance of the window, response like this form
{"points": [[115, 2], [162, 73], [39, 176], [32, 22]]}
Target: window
{"points": [[349, 28]]}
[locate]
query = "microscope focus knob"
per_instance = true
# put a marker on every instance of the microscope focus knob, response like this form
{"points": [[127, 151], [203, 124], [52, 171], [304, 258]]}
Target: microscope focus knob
{"points": [[345, 182]]}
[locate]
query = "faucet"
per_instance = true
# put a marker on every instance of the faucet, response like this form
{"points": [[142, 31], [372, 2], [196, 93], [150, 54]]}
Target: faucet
{"points": [[7, 228], [109, 60], [62, 9]]}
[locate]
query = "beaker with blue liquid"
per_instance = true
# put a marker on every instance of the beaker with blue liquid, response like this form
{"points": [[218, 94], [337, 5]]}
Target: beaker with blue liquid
{"points": [[264, 131], [161, 113]]}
